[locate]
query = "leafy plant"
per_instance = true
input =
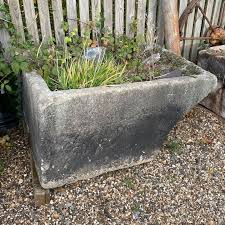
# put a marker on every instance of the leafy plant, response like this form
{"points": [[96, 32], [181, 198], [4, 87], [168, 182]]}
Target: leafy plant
{"points": [[65, 68]]}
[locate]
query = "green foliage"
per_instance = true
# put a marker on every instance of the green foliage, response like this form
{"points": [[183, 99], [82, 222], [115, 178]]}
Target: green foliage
{"points": [[74, 73], [65, 68]]}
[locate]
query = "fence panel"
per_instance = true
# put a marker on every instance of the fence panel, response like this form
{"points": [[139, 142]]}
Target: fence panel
{"points": [[148, 17]]}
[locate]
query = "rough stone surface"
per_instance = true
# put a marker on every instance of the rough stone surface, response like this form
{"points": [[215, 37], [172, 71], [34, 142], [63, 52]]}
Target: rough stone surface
{"points": [[78, 134], [213, 60]]}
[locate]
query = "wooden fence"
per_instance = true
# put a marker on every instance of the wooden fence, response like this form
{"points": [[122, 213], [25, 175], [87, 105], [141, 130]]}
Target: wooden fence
{"points": [[43, 19]]}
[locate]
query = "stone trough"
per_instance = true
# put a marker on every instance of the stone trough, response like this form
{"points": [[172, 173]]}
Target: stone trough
{"points": [[213, 60], [79, 134]]}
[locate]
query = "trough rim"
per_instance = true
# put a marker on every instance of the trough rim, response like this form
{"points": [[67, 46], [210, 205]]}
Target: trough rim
{"points": [[39, 81]]}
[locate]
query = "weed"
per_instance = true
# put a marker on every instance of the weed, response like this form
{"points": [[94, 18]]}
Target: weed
{"points": [[74, 73], [136, 208], [1, 166], [129, 182], [175, 146]]}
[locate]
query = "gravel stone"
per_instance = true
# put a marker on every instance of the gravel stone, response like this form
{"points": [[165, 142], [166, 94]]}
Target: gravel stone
{"points": [[182, 184]]}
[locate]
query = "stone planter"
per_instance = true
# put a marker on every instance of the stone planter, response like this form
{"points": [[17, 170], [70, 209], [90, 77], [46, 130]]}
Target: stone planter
{"points": [[79, 134], [213, 60]]}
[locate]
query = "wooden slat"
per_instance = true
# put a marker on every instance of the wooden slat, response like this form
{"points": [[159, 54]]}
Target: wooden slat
{"points": [[108, 15], [188, 43], [152, 10], [215, 20], [130, 17], [197, 32], [58, 21], [141, 17], [72, 14], [223, 14], [209, 12], [182, 6], [15, 12], [84, 15], [119, 17], [4, 37], [43, 10], [160, 25], [31, 19], [96, 9], [96, 15]]}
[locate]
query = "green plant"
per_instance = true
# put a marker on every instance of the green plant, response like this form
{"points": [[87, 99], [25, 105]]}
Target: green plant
{"points": [[136, 208], [175, 146], [9, 73], [128, 181], [1, 166], [65, 68], [12, 63], [75, 73]]}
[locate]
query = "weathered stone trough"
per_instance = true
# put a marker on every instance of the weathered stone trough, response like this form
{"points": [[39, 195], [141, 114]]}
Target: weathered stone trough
{"points": [[79, 134], [213, 60]]}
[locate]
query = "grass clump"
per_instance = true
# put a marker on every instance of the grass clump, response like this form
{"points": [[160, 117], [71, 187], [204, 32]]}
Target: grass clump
{"points": [[75, 73], [128, 181], [175, 146]]}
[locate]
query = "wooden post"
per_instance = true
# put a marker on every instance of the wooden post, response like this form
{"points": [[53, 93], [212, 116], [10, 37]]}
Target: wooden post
{"points": [[171, 22], [41, 195]]}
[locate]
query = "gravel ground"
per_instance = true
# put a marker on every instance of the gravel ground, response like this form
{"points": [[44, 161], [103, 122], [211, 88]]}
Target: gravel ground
{"points": [[182, 184]]}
